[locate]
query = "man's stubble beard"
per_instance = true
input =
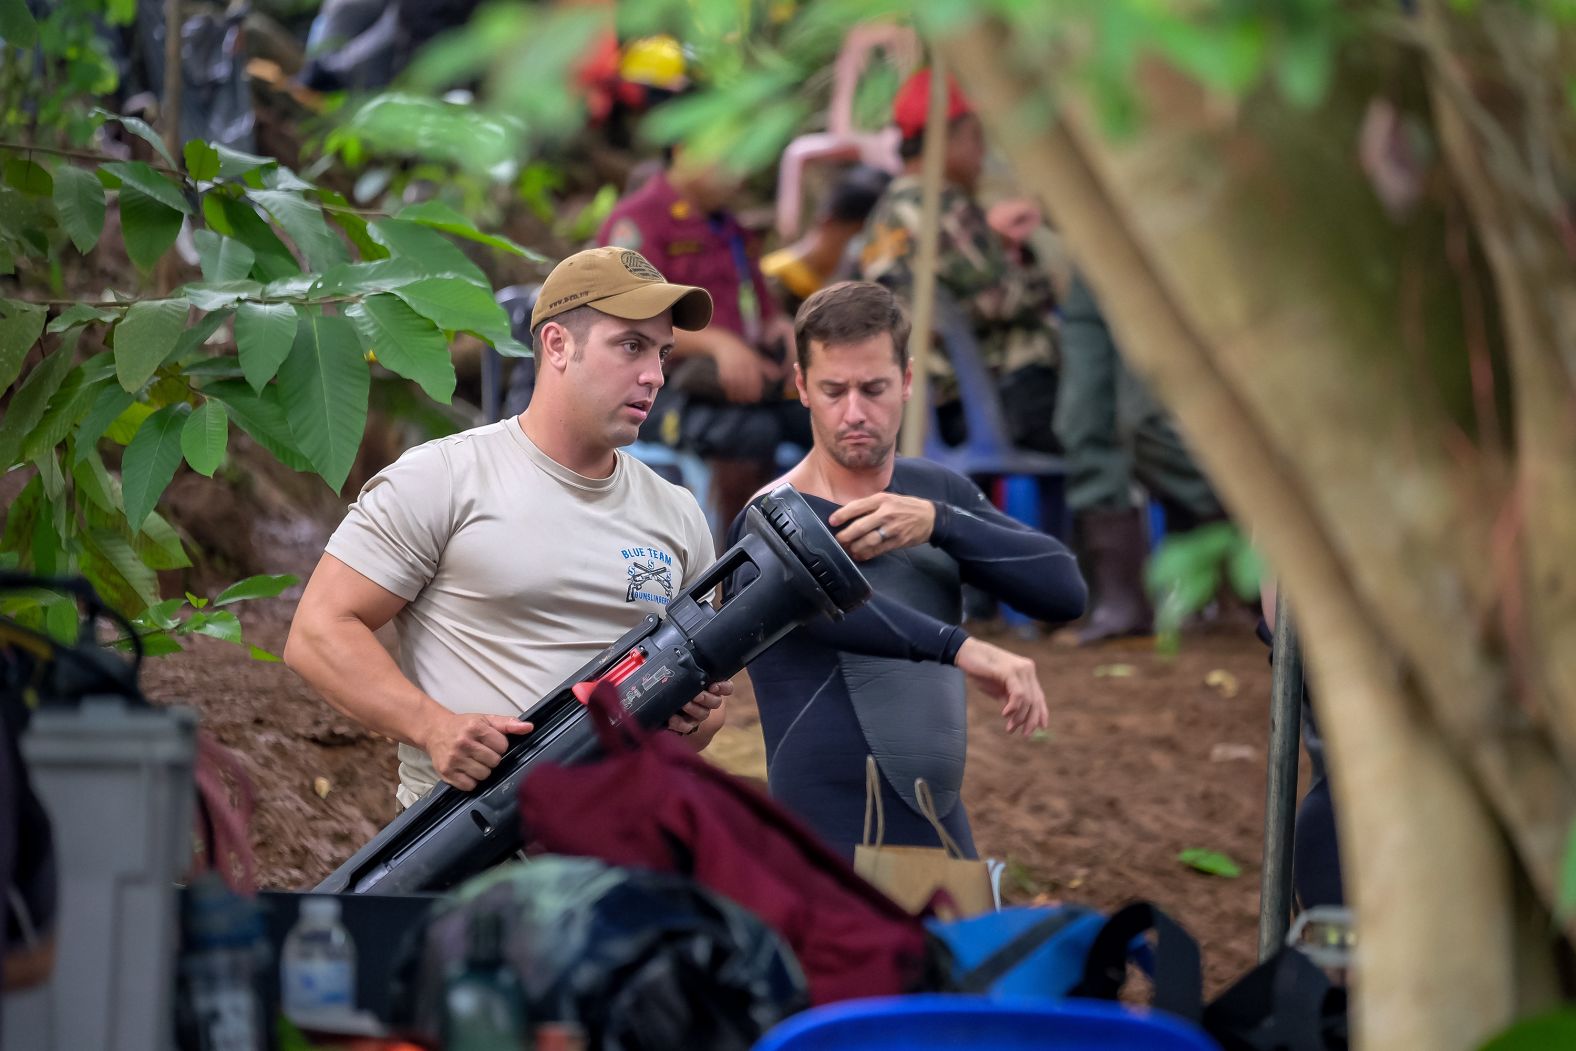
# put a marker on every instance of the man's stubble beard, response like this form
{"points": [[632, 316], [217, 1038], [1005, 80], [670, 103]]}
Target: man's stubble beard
{"points": [[862, 459]]}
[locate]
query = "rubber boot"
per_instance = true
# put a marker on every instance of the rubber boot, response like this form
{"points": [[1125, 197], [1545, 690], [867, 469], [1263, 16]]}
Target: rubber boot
{"points": [[1114, 547]]}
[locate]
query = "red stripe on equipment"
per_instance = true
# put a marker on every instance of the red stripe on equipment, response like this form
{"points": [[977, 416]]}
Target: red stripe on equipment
{"points": [[617, 674]]}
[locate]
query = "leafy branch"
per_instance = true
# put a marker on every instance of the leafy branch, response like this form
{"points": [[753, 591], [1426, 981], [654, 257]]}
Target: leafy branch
{"points": [[299, 294]]}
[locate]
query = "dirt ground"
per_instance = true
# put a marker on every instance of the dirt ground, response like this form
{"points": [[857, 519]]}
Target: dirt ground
{"points": [[1147, 756]]}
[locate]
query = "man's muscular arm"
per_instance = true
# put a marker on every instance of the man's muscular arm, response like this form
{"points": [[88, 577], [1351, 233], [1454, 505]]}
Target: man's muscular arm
{"points": [[332, 647]]}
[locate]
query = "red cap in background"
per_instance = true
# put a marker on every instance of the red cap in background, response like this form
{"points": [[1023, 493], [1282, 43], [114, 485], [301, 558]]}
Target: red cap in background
{"points": [[913, 102]]}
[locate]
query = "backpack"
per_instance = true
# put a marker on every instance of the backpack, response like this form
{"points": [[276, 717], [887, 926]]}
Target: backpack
{"points": [[1286, 1003]]}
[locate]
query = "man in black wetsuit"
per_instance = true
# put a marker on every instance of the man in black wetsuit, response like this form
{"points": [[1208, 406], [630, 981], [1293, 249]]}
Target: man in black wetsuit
{"points": [[888, 680]]}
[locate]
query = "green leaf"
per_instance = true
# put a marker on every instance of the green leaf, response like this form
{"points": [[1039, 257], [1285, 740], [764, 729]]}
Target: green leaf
{"points": [[123, 428], [204, 437], [69, 404], [145, 337], [427, 247], [224, 367], [79, 314], [196, 337], [202, 161], [223, 258], [1553, 1031], [1245, 570], [20, 325], [110, 402], [142, 177], [1211, 862], [234, 164], [22, 515], [1307, 61], [379, 275], [151, 460], [159, 545], [260, 415], [142, 130], [54, 479], [95, 483], [17, 26], [355, 227], [112, 566], [260, 654], [324, 384], [27, 405], [304, 222], [157, 644], [455, 305], [440, 216], [278, 177], [406, 343], [263, 585], [216, 295], [61, 619], [79, 202], [147, 227], [220, 624], [264, 333], [159, 615], [196, 602], [29, 177], [236, 218]]}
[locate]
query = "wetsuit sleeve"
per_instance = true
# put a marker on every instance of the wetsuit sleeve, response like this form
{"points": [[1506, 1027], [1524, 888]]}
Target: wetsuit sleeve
{"points": [[1029, 570], [882, 627]]}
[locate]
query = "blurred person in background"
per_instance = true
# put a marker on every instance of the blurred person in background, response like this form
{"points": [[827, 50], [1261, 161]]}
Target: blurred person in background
{"points": [[983, 261], [826, 251], [726, 398]]}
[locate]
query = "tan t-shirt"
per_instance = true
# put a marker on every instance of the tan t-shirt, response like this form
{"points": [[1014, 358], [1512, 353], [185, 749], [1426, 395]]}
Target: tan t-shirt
{"points": [[516, 569]]}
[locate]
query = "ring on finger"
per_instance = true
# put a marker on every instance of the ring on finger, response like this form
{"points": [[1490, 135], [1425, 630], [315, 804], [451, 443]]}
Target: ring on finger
{"points": [[880, 532]]}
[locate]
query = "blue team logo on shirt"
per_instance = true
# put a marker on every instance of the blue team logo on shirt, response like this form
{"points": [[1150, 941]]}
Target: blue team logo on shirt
{"points": [[649, 574]]}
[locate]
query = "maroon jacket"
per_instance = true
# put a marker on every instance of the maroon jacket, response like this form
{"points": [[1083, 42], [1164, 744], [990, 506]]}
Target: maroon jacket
{"points": [[658, 805]]}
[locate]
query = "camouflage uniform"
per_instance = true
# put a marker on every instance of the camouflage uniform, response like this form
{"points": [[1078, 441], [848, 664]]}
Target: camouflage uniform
{"points": [[1115, 431], [1009, 301]]}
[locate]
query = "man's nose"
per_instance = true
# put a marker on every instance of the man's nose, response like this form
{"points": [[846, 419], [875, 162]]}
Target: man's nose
{"points": [[652, 376]]}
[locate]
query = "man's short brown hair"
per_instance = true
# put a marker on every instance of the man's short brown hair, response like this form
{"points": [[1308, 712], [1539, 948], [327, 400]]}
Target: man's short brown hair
{"points": [[850, 312]]}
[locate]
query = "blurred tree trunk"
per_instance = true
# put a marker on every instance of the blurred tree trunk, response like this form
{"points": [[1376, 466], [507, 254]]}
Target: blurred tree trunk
{"points": [[1334, 370]]}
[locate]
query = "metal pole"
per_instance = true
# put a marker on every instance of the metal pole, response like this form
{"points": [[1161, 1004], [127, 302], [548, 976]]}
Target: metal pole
{"points": [[1280, 793], [917, 413]]}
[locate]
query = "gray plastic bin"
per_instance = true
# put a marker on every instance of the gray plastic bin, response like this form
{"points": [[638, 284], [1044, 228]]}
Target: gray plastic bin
{"points": [[117, 783]]}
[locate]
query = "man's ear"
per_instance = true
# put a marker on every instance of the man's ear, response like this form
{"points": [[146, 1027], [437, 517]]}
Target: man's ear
{"points": [[908, 379], [799, 382], [552, 345]]}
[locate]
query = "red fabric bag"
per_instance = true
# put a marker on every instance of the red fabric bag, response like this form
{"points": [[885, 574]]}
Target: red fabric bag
{"points": [[653, 803]]}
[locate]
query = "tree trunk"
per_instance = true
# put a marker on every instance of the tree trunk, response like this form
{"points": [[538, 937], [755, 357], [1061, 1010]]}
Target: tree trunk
{"points": [[1296, 331]]}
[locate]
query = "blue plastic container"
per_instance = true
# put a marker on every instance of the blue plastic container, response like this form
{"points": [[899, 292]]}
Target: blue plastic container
{"points": [[926, 1022]]}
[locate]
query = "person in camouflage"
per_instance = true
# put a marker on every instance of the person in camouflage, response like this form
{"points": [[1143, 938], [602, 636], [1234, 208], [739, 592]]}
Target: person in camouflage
{"points": [[1115, 432], [983, 263]]}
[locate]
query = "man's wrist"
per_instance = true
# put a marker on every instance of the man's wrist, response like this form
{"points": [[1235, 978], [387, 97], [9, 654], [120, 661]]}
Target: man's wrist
{"points": [[941, 523]]}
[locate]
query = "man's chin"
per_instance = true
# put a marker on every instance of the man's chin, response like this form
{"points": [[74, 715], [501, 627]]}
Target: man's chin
{"points": [[862, 457], [623, 434]]}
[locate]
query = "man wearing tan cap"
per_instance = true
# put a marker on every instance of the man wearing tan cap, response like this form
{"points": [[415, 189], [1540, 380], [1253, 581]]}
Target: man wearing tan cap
{"points": [[509, 555]]}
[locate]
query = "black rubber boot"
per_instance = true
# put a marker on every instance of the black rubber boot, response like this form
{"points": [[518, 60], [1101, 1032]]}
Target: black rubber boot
{"points": [[1113, 545]]}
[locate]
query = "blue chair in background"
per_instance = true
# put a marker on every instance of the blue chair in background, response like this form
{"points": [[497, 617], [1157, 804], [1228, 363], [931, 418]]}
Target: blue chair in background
{"points": [[937, 1022], [1032, 483]]}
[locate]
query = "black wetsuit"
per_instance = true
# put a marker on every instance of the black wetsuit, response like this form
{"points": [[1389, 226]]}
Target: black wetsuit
{"points": [[832, 693]]}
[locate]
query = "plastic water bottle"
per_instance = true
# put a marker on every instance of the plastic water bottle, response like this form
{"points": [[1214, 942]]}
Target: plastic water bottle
{"points": [[483, 1004], [223, 958], [317, 968]]}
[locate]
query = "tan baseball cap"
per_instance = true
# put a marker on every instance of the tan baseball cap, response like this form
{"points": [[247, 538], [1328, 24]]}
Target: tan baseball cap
{"points": [[622, 283]]}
